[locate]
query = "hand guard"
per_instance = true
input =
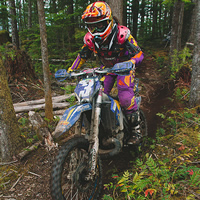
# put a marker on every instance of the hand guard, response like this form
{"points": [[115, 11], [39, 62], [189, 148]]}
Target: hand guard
{"points": [[62, 74]]}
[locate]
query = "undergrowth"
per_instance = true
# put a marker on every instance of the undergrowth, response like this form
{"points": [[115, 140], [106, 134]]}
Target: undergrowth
{"points": [[169, 167]]}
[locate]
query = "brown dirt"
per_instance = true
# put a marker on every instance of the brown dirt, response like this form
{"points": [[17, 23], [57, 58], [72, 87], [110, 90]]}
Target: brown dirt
{"points": [[33, 172]]}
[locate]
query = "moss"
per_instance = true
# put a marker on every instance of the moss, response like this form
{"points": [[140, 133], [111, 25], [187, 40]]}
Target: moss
{"points": [[10, 135], [8, 174]]}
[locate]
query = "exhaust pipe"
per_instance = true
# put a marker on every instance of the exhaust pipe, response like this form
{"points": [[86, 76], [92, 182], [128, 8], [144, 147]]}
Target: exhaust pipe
{"points": [[110, 152]]}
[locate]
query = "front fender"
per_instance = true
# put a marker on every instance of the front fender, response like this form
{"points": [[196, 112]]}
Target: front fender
{"points": [[70, 117]]}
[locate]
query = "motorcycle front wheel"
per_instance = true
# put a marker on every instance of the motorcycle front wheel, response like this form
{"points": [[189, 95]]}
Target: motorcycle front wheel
{"points": [[69, 172]]}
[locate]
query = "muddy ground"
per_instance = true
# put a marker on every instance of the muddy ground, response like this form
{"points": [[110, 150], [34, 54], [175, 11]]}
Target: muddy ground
{"points": [[32, 174]]}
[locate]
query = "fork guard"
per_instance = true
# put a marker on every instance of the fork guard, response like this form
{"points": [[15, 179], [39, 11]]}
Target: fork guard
{"points": [[70, 117]]}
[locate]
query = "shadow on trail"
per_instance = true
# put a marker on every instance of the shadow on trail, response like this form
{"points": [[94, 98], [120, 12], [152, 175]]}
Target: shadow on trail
{"points": [[159, 104]]}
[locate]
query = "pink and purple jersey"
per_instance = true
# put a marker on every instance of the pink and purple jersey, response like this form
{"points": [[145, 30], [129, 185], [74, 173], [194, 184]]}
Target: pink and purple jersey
{"points": [[124, 48]]}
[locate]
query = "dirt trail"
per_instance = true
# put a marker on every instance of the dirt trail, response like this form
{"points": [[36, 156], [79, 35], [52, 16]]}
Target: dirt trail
{"points": [[155, 93], [34, 170]]}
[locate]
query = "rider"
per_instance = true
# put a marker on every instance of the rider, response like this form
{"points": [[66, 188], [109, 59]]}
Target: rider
{"points": [[112, 43]]}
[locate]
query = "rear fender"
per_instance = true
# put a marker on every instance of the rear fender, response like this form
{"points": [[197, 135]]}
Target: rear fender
{"points": [[70, 117]]}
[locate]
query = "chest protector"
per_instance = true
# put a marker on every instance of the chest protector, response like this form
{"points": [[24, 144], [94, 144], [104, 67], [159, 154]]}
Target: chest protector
{"points": [[115, 49]]}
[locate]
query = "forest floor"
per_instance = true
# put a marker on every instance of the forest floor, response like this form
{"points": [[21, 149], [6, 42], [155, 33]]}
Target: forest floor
{"points": [[29, 179]]}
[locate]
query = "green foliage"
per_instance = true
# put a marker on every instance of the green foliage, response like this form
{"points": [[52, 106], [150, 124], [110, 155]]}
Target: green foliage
{"points": [[182, 93], [27, 134], [179, 59], [171, 2], [7, 52], [160, 60], [72, 100], [51, 124], [32, 44], [23, 121], [154, 179], [56, 48], [68, 90], [161, 115], [185, 119], [169, 172]]}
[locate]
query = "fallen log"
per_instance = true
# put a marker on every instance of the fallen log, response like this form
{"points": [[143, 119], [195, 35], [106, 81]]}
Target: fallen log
{"points": [[39, 107], [57, 113], [41, 101]]}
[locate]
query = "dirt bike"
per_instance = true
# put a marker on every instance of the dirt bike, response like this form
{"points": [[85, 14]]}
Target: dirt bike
{"points": [[102, 131]]}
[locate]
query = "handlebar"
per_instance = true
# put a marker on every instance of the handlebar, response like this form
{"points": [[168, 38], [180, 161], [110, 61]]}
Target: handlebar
{"points": [[120, 69]]}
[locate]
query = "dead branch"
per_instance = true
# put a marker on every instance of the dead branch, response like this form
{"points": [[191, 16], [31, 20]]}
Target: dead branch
{"points": [[35, 174], [41, 129], [29, 149], [195, 162], [8, 163], [64, 83], [11, 189], [6, 183], [18, 95], [36, 86]]}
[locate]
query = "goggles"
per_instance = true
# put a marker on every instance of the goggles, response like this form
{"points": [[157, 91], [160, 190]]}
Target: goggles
{"points": [[98, 27]]}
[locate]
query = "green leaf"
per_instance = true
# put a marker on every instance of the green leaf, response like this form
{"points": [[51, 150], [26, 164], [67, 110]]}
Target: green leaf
{"points": [[135, 177]]}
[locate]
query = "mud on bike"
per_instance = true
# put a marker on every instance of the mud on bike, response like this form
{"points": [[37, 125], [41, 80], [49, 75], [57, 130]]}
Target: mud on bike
{"points": [[102, 130]]}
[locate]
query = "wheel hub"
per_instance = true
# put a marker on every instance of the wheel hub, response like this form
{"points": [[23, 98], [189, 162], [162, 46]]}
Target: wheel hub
{"points": [[80, 178]]}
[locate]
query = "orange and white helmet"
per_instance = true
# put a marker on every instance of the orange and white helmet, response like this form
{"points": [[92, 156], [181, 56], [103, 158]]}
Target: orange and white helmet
{"points": [[98, 18]]}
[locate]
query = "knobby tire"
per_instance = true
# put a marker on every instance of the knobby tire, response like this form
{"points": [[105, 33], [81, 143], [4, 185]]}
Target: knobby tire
{"points": [[68, 170]]}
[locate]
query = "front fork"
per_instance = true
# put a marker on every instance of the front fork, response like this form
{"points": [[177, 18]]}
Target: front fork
{"points": [[94, 133]]}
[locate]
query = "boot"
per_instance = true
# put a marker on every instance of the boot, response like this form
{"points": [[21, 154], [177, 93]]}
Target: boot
{"points": [[135, 129]]}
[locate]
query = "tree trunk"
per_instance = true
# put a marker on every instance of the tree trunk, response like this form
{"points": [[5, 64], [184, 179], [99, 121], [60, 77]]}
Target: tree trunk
{"points": [[117, 9], [10, 141], [177, 22], [155, 16], [124, 13], [45, 62], [15, 36], [71, 31], [29, 15], [195, 84], [135, 9], [142, 14], [19, 6], [193, 23], [159, 20]]}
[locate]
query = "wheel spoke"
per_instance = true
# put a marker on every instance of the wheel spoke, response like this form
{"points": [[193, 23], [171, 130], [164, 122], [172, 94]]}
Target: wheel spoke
{"points": [[70, 170]]}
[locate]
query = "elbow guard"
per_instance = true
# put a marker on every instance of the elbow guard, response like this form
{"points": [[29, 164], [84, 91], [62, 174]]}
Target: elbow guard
{"points": [[132, 49]]}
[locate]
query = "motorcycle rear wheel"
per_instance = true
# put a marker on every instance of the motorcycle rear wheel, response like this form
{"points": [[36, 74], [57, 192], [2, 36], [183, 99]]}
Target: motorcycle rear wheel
{"points": [[69, 170]]}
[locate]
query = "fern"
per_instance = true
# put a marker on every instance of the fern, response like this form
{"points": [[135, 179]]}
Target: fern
{"points": [[152, 165], [143, 183], [195, 178]]}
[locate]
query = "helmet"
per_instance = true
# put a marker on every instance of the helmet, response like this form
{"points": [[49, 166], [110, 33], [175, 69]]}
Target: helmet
{"points": [[99, 21]]}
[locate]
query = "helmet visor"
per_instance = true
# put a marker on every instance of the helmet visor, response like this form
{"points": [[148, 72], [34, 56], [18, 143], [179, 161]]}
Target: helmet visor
{"points": [[98, 27]]}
